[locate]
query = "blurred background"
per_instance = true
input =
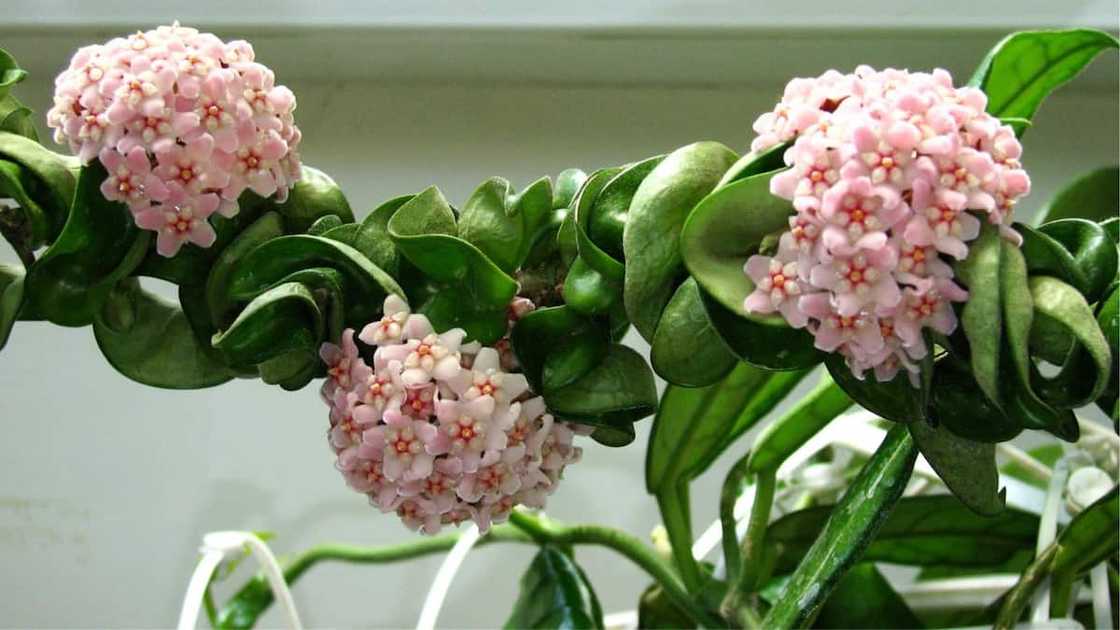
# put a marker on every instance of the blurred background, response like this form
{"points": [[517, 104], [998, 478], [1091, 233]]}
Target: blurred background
{"points": [[107, 486]]}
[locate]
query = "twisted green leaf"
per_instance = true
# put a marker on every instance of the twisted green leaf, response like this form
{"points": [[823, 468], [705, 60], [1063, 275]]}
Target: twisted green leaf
{"points": [[555, 593]]}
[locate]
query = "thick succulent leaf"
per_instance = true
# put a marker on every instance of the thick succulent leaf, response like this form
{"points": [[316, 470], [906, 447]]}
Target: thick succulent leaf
{"points": [[865, 599], [37, 223], [265, 228], [981, 317], [313, 196], [852, 525], [279, 321], [10, 72], [1108, 318], [694, 425], [501, 223], [616, 392], [968, 468], [721, 233], [11, 299], [780, 439], [1025, 67], [582, 210], [588, 291], [53, 182], [99, 246], [555, 593], [1075, 250], [477, 290], [262, 267], [954, 390], [549, 330], [149, 340], [324, 224], [765, 342], [929, 531], [1090, 538], [896, 399], [755, 163], [686, 349], [1094, 196], [604, 218], [657, 213], [373, 239], [1086, 371], [568, 183]]}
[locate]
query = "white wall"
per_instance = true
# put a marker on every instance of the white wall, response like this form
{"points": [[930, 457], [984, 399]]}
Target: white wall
{"points": [[107, 485]]}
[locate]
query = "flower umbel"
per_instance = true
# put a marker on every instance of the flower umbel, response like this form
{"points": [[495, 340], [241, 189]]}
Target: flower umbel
{"points": [[183, 123], [434, 429], [888, 171]]}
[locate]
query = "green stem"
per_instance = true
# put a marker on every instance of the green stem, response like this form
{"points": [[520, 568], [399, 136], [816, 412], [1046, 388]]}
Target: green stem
{"points": [[638, 552], [729, 494], [1019, 597], [735, 606]]}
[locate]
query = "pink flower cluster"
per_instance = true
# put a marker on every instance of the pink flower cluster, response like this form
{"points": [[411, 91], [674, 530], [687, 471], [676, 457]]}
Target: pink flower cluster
{"points": [[887, 172], [434, 430], [183, 122]]}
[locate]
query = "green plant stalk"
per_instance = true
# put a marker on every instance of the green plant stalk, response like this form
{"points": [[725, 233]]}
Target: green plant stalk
{"points": [[673, 503], [1019, 597], [641, 554], [729, 494], [735, 605]]}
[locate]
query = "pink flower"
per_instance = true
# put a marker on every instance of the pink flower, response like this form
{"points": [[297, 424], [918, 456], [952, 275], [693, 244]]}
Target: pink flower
{"points": [[209, 118], [439, 446], [890, 173], [181, 218]]}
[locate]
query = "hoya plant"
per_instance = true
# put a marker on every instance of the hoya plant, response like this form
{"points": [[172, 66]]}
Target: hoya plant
{"points": [[867, 241]]}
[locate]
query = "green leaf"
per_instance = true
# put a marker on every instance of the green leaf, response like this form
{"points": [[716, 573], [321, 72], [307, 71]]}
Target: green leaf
{"points": [[1075, 250], [568, 183], [657, 214], [313, 196], [954, 389], [99, 246], [501, 223], [281, 320], [721, 233], [693, 426], [10, 72], [686, 350], [1094, 196], [865, 599], [754, 163], [1025, 67], [221, 305], [324, 224], [616, 392], [149, 340], [1090, 538], [896, 399], [552, 329], [555, 593], [604, 218], [53, 179], [364, 284], [982, 315], [37, 223], [1085, 374], [472, 291], [11, 299], [852, 526], [14, 117], [968, 468], [373, 239], [929, 531], [589, 292], [1108, 318], [784, 436]]}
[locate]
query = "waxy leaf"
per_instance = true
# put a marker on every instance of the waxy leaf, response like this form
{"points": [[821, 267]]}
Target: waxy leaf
{"points": [[1094, 196], [958, 403], [365, 284], [14, 117], [1108, 318], [589, 292], [35, 223], [568, 183], [546, 330], [99, 246], [582, 210], [1025, 67], [11, 299], [1075, 250], [469, 290], [372, 236], [721, 233], [267, 227], [784, 436], [555, 593], [657, 213], [616, 392], [968, 468], [502, 223], [313, 196], [929, 531], [604, 218], [54, 177], [852, 525], [896, 399], [282, 320], [754, 163], [1090, 538], [982, 315], [686, 350], [865, 599], [149, 340], [1086, 371]]}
